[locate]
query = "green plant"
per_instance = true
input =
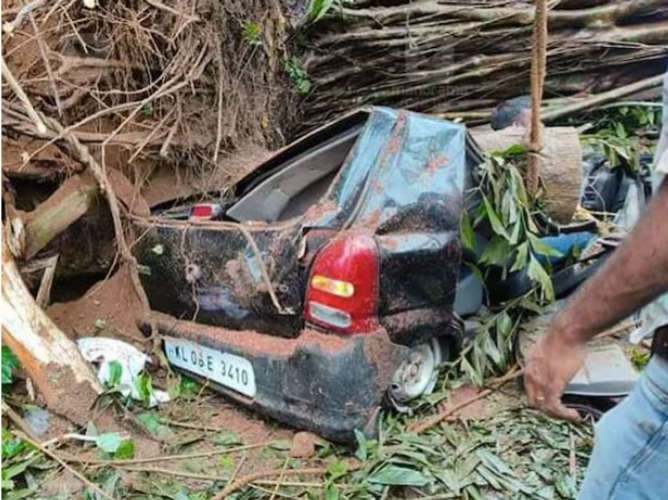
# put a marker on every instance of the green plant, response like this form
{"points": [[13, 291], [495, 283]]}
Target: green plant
{"points": [[298, 75], [509, 210], [18, 457], [639, 358], [10, 363], [145, 388], [318, 8], [617, 132], [252, 33]]}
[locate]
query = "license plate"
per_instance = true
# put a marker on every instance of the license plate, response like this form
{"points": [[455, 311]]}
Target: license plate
{"points": [[224, 368]]}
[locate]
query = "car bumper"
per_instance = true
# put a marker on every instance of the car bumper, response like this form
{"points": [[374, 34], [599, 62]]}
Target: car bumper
{"points": [[324, 383]]}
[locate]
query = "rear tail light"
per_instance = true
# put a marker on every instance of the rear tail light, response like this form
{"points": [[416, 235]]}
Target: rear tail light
{"points": [[342, 292], [205, 211]]}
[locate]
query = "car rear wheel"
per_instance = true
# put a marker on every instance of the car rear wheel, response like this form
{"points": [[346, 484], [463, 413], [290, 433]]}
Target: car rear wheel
{"points": [[418, 375]]}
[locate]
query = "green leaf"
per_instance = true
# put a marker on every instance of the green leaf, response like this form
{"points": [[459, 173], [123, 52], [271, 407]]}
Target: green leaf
{"points": [[187, 388], [515, 235], [521, 257], [619, 128], [115, 373], [541, 248], [9, 363], [338, 469], [149, 420], [281, 445], [144, 387], [229, 438], [318, 8], [466, 231], [494, 462], [11, 448], [538, 275], [331, 492], [494, 220], [514, 150], [565, 486], [108, 442], [362, 448], [18, 468], [126, 449], [504, 324], [490, 348], [227, 462], [394, 475], [475, 376], [496, 252]]}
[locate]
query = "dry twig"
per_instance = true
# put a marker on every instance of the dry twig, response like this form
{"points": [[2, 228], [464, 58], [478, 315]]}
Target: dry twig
{"points": [[64, 464], [243, 481], [165, 458]]}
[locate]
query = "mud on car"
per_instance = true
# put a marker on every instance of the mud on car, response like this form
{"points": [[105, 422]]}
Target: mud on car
{"points": [[326, 285]]}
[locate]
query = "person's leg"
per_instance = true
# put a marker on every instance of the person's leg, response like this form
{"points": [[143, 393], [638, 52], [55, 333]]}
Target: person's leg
{"points": [[630, 457]]}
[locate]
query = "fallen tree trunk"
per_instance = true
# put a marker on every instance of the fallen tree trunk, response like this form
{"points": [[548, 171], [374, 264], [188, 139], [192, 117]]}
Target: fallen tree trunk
{"points": [[50, 358], [440, 57], [560, 164], [67, 204]]}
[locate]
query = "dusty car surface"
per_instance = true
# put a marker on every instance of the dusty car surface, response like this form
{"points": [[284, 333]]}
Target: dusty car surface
{"points": [[328, 280]]}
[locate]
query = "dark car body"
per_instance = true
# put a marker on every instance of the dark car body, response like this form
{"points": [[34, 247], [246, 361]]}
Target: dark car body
{"points": [[378, 184]]}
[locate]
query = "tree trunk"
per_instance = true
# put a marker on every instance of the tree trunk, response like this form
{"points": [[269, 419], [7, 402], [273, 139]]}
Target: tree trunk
{"points": [[50, 358], [560, 168], [439, 57], [70, 201]]}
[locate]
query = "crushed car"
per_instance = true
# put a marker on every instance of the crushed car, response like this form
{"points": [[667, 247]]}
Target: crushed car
{"points": [[326, 286]]}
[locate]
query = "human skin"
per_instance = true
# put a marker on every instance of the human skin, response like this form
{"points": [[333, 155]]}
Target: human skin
{"points": [[632, 277]]}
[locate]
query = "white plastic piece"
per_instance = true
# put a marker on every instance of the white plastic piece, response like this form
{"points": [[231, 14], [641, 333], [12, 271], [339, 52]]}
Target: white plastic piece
{"points": [[102, 351]]}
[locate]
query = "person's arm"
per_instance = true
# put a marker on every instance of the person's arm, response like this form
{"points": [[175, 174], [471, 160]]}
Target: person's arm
{"points": [[633, 276]]}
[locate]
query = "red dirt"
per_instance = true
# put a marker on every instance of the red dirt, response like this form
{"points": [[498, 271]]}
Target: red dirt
{"points": [[318, 210], [303, 445], [112, 302], [475, 410], [251, 341]]}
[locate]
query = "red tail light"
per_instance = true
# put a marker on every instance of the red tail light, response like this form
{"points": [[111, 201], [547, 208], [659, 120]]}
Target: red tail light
{"points": [[342, 292], [201, 211]]}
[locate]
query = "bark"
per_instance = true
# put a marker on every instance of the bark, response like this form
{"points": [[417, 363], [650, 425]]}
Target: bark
{"points": [[436, 56], [52, 360], [560, 164], [67, 204]]}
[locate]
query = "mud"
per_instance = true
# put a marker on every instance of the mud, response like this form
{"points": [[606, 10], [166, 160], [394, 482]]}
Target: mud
{"points": [[71, 399], [109, 308], [304, 444], [252, 342], [317, 211], [475, 410]]}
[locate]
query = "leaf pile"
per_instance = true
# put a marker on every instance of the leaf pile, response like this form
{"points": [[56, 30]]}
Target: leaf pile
{"points": [[517, 453]]}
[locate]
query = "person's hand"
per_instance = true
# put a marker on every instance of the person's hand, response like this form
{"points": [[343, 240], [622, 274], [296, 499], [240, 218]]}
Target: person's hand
{"points": [[551, 364]]}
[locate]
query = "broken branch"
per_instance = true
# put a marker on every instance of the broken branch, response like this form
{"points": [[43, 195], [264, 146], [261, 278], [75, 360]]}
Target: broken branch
{"points": [[51, 359], [64, 464], [18, 90]]}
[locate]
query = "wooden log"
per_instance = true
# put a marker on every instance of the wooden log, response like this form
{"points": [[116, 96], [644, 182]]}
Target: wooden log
{"points": [[52, 360], [67, 204], [560, 168]]}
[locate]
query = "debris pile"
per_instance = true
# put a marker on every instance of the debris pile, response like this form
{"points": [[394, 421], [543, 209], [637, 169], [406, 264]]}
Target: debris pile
{"points": [[447, 59]]}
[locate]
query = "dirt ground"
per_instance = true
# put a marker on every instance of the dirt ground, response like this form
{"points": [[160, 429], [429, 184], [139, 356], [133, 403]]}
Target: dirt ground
{"points": [[196, 423]]}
